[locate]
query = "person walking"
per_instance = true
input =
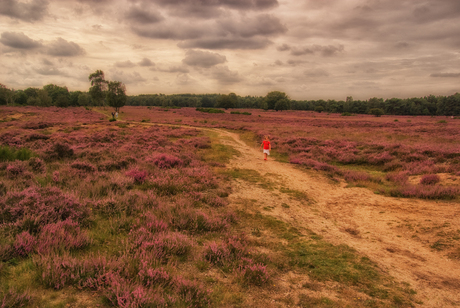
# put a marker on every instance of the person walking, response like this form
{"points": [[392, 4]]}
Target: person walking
{"points": [[267, 147]]}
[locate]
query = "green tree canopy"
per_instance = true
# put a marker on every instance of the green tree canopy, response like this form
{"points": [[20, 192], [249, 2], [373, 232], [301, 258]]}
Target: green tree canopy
{"points": [[273, 97], [283, 104], [98, 88], [227, 101], [116, 95]]}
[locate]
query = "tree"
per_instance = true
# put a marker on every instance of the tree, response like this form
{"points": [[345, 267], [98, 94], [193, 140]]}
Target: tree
{"points": [[83, 99], [5, 95], [283, 104], [55, 92], [20, 97], [116, 95], [377, 112], [272, 97], [98, 88], [227, 101], [319, 108], [45, 99]]}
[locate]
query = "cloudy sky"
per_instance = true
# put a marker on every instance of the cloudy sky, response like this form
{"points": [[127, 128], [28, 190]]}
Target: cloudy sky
{"points": [[310, 49]]}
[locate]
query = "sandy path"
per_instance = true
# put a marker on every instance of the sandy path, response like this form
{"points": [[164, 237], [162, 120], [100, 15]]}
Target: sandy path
{"points": [[377, 226]]}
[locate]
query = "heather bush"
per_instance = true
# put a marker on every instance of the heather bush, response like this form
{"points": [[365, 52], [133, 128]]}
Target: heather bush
{"points": [[63, 235], [59, 150], [3, 189], [430, 179], [161, 245], [84, 166], [426, 192], [33, 208], [217, 254], [192, 293], [355, 176], [165, 161], [397, 177], [14, 299], [254, 274], [138, 176], [37, 165], [15, 169], [24, 244]]}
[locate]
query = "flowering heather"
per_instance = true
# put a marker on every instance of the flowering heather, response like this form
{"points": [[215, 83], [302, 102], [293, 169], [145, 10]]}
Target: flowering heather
{"points": [[255, 274], [192, 293], [430, 179], [37, 165], [426, 192], [14, 299], [138, 175], [34, 207], [397, 177], [165, 161], [84, 166], [15, 169], [355, 176]]}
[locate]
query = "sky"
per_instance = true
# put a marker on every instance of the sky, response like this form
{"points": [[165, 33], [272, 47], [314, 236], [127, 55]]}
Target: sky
{"points": [[310, 49]]}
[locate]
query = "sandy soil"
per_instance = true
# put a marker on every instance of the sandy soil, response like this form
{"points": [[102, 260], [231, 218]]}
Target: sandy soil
{"points": [[398, 234]]}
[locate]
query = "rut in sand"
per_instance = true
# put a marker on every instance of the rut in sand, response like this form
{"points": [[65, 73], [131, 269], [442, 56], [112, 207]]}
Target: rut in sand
{"points": [[376, 226]]}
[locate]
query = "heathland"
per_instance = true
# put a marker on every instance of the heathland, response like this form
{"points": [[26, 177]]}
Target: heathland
{"points": [[175, 207]]}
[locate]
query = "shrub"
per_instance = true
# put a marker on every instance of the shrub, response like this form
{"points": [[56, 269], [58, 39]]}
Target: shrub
{"points": [[217, 254], [138, 176], [84, 166], [425, 192], [397, 177], [15, 169], [346, 114], [37, 165], [10, 154], [60, 150], [210, 110], [63, 235], [165, 161], [377, 112], [430, 179], [24, 244], [14, 299], [192, 293], [355, 176], [255, 274]]}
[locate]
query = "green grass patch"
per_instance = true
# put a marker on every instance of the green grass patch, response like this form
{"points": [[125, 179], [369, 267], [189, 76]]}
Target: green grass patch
{"points": [[296, 194], [11, 154], [249, 175]]}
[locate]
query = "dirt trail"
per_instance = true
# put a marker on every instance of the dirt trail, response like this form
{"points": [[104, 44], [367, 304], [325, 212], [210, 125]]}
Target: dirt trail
{"points": [[377, 226]]}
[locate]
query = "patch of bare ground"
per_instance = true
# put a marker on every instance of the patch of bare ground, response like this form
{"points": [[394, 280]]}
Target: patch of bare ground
{"points": [[414, 241]]}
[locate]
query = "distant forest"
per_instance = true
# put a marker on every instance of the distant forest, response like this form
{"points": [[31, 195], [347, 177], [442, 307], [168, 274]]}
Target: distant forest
{"points": [[53, 95]]}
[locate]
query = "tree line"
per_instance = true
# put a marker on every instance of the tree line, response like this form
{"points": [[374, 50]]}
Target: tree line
{"points": [[113, 93]]}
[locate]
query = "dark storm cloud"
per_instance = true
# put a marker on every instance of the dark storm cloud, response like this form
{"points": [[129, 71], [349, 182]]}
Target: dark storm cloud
{"points": [[126, 63], [146, 62], [63, 48], [326, 51], [142, 16], [18, 40], [226, 43], [224, 75], [27, 11], [204, 59], [445, 75]]}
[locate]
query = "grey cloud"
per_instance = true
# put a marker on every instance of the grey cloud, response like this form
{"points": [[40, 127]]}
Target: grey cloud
{"points": [[283, 47], [204, 59], [445, 75], [27, 11], [47, 62], [129, 78], [124, 64], [295, 62], [278, 62], [50, 71], [18, 40], [233, 4], [63, 48], [264, 24], [184, 79], [226, 43], [142, 16], [224, 75], [171, 32], [174, 69], [316, 73], [146, 62], [326, 51]]}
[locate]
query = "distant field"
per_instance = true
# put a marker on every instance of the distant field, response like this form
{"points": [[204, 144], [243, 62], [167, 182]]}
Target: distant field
{"points": [[134, 214]]}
